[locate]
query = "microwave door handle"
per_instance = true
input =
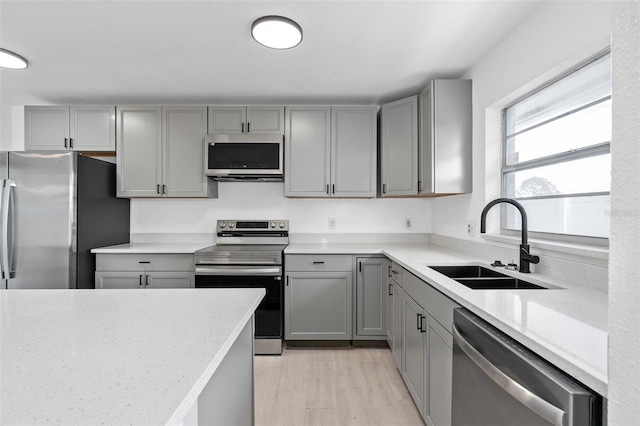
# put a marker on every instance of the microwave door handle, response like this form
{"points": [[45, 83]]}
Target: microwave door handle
{"points": [[548, 411]]}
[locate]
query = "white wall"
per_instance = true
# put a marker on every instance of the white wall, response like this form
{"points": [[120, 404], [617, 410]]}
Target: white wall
{"points": [[624, 275], [555, 36], [256, 200]]}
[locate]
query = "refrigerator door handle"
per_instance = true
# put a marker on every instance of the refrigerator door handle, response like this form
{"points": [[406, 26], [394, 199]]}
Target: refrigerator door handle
{"points": [[7, 228]]}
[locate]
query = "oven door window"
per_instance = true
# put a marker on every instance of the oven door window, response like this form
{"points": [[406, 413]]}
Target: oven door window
{"points": [[268, 316], [244, 156]]}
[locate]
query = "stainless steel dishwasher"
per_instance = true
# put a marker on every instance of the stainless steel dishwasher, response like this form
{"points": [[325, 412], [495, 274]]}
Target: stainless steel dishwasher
{"points": [[497, 381]]}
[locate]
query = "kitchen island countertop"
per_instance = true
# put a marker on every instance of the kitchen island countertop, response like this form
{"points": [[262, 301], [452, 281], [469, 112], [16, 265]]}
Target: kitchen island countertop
{"points": [[114, 356]]}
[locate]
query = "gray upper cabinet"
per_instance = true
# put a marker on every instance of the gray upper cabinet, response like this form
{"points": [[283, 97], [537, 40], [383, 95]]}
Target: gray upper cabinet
{"points": [[246, 119], [160, 152], [307, 151], [445, 138], [330, 151], [353, 151], [399, 148], [77, 128]]}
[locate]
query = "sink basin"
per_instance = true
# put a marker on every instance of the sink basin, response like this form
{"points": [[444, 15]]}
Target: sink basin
{"points": [[480, 278]]}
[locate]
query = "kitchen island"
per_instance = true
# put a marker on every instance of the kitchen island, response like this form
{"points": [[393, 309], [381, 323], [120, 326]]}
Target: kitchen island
{"points": [[127, 356]]}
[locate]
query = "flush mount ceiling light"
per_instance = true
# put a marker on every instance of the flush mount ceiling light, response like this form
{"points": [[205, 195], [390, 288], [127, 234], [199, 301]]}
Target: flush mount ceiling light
{"points": [[276, 32], [12, 60]]}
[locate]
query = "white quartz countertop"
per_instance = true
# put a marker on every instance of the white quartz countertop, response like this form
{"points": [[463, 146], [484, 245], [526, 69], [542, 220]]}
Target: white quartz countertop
{"points": [[114, 356], [566, 326], [157, 248]]}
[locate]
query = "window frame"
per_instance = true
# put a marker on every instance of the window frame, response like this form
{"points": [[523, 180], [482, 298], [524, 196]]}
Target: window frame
{"points": [[602, 148]]}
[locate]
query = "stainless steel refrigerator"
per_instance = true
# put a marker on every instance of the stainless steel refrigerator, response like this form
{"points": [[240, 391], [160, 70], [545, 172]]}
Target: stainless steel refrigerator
{"points": [[54, 208]]}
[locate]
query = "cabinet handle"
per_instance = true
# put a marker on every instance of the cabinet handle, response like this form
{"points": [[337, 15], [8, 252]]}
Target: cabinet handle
{"points": [[418, 322], [242, 128], [140, 280], [390, 289], [66, 141], [248, 127], [144, 261], [164, 189], [327, 188], [146, 280], [384, 188], [287, 280], [389, 271], [333, 188], [158, 189], [419, 185], [71, 143], [423, 328], [318, 263]]}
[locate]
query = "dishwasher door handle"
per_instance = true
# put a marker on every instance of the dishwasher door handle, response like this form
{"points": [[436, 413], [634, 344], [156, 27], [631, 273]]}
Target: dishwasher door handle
{"points": [[548, 411], [264, 271]]}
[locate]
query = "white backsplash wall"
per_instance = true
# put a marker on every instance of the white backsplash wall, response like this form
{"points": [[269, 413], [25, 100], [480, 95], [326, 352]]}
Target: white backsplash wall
{"points": [[258, 200]]}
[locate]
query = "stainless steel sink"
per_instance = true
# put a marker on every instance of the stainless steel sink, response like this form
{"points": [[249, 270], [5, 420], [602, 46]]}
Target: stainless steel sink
{"points": [[478, 277]]}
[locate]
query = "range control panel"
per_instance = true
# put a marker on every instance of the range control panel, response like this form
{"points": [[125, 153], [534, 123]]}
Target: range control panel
{"points": [[253, 226]]}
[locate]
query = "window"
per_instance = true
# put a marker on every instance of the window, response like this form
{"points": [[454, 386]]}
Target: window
{"points": [[557, 160]]}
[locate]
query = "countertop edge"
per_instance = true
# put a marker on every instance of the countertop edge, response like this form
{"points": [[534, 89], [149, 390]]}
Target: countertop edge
{"points": [[180, 412]]}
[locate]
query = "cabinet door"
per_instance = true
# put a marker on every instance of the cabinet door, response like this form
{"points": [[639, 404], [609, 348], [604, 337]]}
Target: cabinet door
{"points": [[307, 151], [120, 279], [371, 299], [92, 128], [414, 350], [265, 119], [440, 368], [396, 348], [176, 279], [139, 153], [389, 302], [227, 119], [46, 127], [183, 132], [318, 306], [399, 128], [353, 151]]}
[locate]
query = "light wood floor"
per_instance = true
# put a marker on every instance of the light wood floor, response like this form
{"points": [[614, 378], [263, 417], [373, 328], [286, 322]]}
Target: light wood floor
{"points": [[332, 386]]}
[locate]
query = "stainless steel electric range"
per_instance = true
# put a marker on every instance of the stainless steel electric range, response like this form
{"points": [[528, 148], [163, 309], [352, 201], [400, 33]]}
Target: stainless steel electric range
{"points": [[249, 254]]}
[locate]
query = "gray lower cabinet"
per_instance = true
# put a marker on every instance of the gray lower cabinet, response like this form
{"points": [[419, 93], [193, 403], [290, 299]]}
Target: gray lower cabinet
{"points": [[160, 152], [75, 128], [414, 350], [427, 343], [371, 298], [318, 297], [395, 274], [131, 271]]}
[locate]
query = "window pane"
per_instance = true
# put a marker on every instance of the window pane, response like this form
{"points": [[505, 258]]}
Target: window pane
{"points": [[582, 87], [591, 174], [587, 216], [584, 128]]}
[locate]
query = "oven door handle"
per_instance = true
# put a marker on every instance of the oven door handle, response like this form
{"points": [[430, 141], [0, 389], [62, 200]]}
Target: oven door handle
{"points": [[274, 271], [548, 411]]}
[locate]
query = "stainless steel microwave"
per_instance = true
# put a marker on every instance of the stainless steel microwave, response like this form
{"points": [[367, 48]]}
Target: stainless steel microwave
{"points": [[244, 157]]}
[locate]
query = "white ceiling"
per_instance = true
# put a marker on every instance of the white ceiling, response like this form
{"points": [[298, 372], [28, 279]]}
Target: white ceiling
{"points": [[116, 52]]}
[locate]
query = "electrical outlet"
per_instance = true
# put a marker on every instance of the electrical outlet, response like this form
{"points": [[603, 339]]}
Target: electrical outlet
{"points": [[407, 223], [332, 224], [471, 228]]}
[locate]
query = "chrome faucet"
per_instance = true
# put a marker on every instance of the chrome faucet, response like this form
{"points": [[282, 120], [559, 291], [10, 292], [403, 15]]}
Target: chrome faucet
{"points": [[525, 257]]}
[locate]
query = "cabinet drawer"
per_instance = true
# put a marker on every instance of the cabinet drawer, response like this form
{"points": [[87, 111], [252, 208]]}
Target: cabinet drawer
{"points": [[147, 262], [318, 262], [439, 306]]}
